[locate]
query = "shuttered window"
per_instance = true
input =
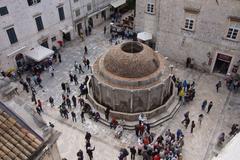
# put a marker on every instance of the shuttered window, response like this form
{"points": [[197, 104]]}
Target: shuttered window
{"points": [[12, 35]]}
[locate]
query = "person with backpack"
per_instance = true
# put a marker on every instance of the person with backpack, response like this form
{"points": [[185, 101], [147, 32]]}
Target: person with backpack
{"points": [[133, 152]]}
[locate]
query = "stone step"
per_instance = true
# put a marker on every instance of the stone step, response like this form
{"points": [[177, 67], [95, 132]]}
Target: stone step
{"points": [[154, 122]]}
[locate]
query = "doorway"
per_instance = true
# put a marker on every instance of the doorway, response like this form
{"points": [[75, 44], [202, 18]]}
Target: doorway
{"points": [[90, 22], [67, 36], [222, 63]]}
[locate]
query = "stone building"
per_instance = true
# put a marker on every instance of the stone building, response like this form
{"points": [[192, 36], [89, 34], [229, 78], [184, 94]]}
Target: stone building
{"points": [[26, 24], [21, 142], [131, 78], [207, 31]]}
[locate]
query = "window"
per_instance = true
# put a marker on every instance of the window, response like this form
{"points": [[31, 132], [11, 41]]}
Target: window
{"points": [[61, 13], [53, 38], [3, 11], [233, 31], [77, 12], [75, 1], [32, 2], [150, 6], [39, 23], [96, 16], [189, 24], [12, 35], [89, 7]]}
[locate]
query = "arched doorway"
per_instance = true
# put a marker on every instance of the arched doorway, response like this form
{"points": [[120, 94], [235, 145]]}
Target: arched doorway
{"points": [[20, 61]]}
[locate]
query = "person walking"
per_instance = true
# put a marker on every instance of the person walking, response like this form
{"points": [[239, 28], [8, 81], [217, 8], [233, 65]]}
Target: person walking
{"points": [[74, 116], [192, 126], [218, 85], [75, 66], [204, 104], [68, 101], [133, 152], [39, 81], [25, 87], [75, 79], [38, 110], [107, 111], [90, 150], [209, 107], [74, 100], [200, 118], [51, 101], [70, 76], [80, 69], [59, 58], [88, 137], [80, 155], [85, 50], [68, 88], [63, 87], [82, 117], [88, 63], [34, 98], [40, 105], [51, 71], [187, 121]]}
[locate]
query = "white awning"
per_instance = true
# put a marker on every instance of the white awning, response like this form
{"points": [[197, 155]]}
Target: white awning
{"points": [[67, 29], [144, 36], [231, 150], [117, 3], [39, 53]]}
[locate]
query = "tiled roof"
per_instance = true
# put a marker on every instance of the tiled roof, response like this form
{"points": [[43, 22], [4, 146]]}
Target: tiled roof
{"points": [[16, 142]]}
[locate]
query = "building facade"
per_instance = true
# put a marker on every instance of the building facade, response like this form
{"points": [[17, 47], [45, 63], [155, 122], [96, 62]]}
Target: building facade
{"points": [[25, 24], [204, 30], [89, 12]]}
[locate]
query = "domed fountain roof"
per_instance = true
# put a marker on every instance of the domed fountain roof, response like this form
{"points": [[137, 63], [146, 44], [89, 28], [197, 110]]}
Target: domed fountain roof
{"points": [[131, 60]]}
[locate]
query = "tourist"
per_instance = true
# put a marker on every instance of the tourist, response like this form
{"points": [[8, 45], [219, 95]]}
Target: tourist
{"points": [[218, 85], [74, 119], [81, 101], [76, 66], [234, 129], [187, 121], [63, 87], [82, 117], [88, 63], [34, 98], [39, 81], [40, 105], [90, 150], [85, 50], [75, 79], [204, 104], [88, 137], [107, 111], [70, 76], [80, 69], [65, 112], [38, 110], [68, 88], [59, 58], [179, 134], [133, 152], [209, 106], [68, 101], [192, 126], [74, 99], [200, 118], [113, 123], [51, 101], [80, 155], [51, 71]]}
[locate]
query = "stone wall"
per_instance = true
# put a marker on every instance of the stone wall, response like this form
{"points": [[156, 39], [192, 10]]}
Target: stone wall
{"points": [[203, 43]]}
